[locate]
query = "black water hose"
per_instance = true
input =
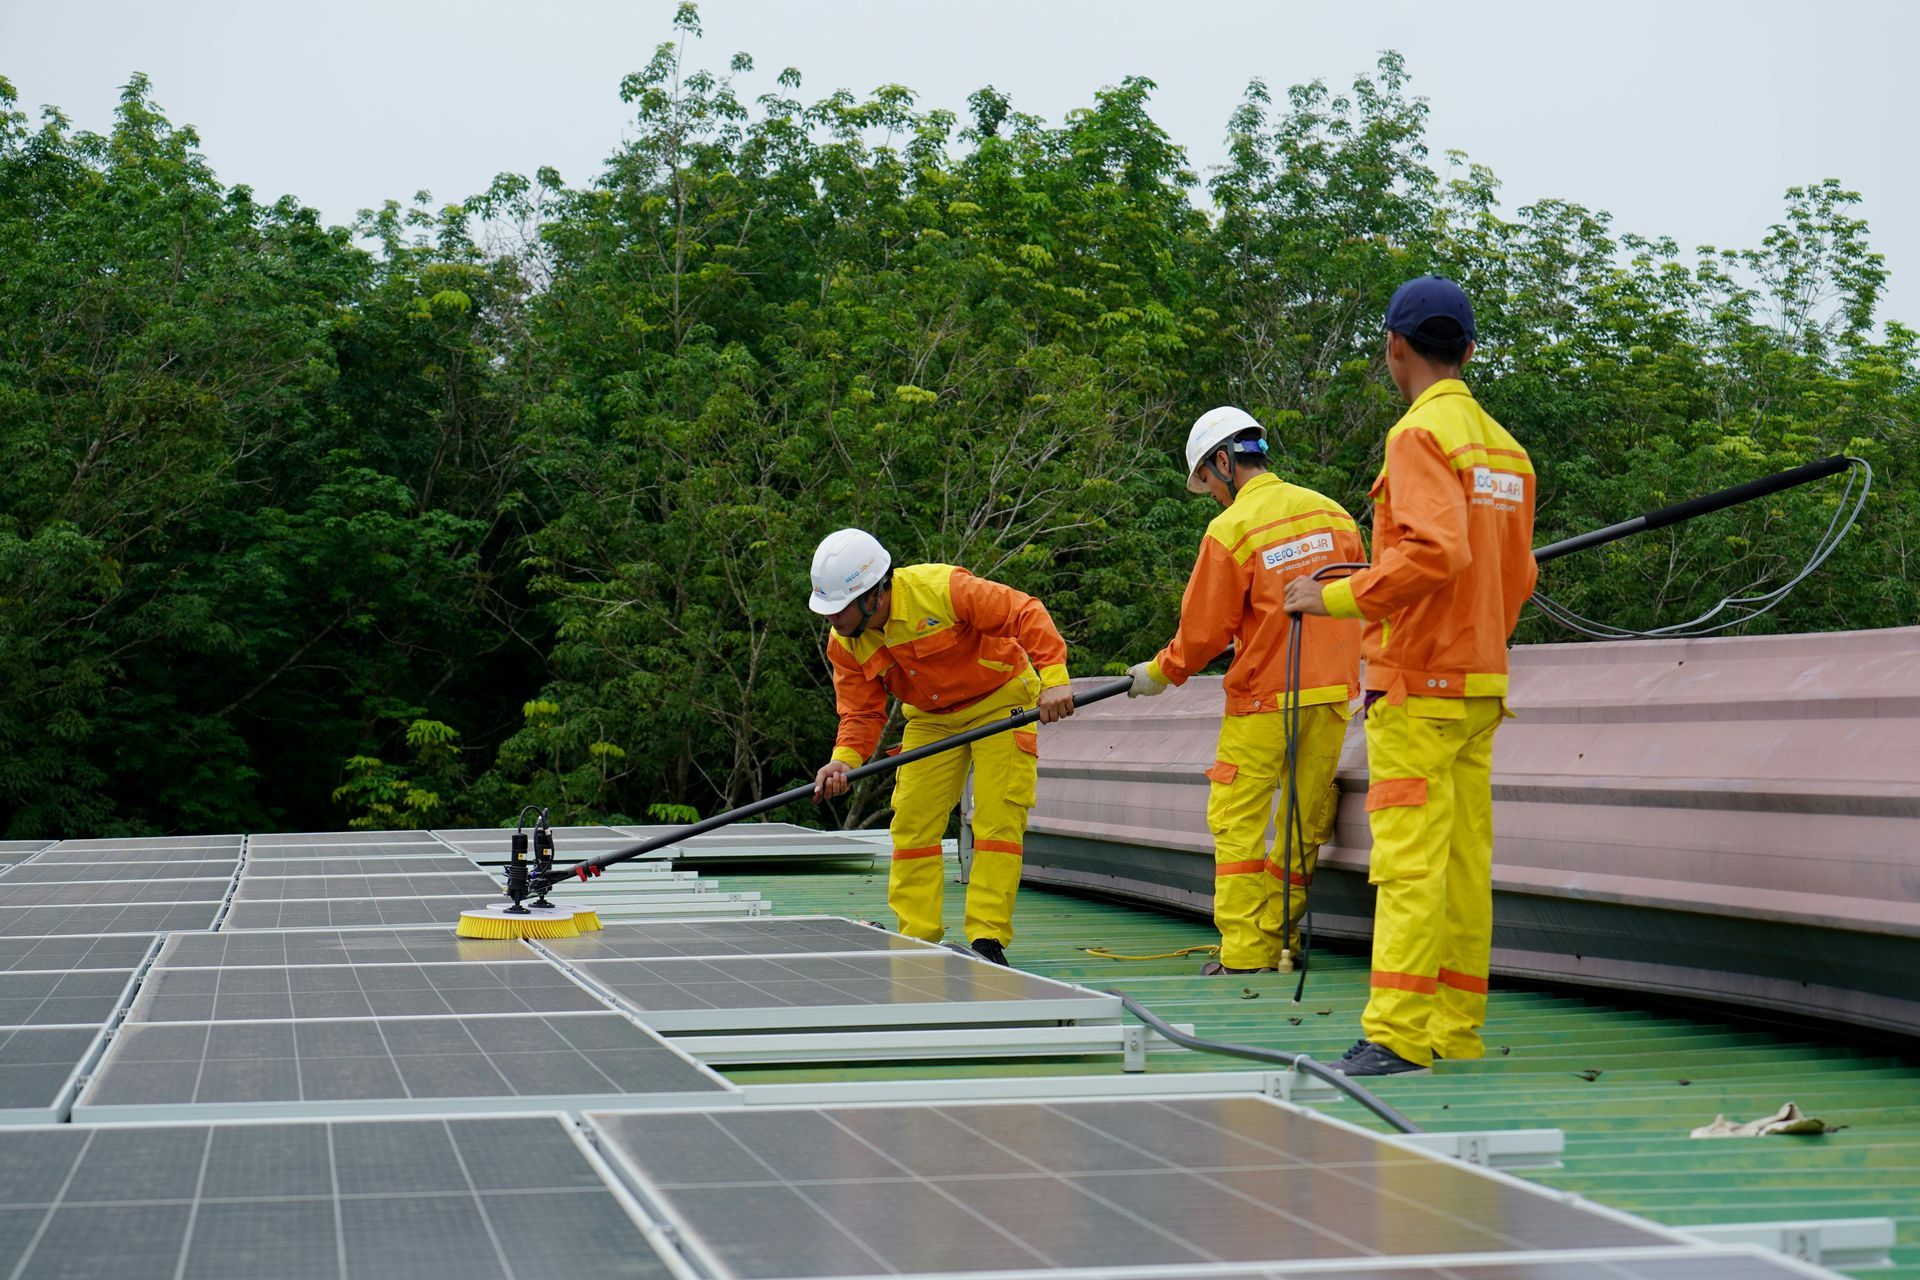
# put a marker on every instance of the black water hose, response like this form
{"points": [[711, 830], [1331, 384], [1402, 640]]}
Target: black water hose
{"points": [[1298, 1061]]}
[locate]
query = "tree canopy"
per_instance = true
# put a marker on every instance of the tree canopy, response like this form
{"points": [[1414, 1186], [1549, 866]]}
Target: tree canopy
{"points": [[513, 499]]}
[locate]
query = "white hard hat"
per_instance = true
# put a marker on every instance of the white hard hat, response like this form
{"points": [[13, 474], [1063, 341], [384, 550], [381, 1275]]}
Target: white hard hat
{"points": [[847, 563], [1214, 428]]}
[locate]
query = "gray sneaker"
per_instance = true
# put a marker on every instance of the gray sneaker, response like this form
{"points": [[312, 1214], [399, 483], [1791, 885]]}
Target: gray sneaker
{"points": [[1369, 1059]]}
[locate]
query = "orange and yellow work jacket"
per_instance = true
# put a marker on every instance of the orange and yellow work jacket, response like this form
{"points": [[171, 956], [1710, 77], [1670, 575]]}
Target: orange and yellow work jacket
{"points": [[1452, 552], [951, 639], [1272, 533]]}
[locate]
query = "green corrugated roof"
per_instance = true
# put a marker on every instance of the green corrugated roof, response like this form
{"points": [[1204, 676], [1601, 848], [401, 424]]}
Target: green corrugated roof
{"points": [[1661, 1071]]}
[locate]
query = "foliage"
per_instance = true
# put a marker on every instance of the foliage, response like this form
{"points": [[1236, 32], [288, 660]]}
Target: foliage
{"points": [[519, 492]]}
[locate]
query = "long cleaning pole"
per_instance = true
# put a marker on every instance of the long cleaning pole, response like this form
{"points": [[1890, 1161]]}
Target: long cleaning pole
{"points": [[1692, 507], [590, 867]]}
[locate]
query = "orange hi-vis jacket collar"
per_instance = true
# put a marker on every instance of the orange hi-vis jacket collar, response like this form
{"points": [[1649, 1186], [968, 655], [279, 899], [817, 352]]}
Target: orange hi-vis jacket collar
{"points": [[1452, 552], [951, 639], [1273, 532]]}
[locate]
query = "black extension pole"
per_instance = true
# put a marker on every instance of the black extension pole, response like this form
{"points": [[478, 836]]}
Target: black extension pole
{"points": [[1692, 507], [593, 866]]}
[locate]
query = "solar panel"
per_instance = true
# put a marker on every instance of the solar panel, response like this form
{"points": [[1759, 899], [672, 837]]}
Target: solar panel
{"points": [[313, 1068], [767, 936], [61, 855], [37, 1070], [774, 841], [121, 892], [291, 888], [568, 842], [85, 872], [511, 1197], [344, 946], [61, 955], [154, 846], [40, 922], [348, 915], [85, 998], [906, 988], [354, 991], [275, 839], [911, 1190], [392, 856], [277, 868], [11, 847]]}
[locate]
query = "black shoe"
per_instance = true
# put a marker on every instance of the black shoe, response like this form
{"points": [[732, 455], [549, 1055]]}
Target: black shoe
{"points": [[1369, 1059], [1213, 969], [988, 949]]}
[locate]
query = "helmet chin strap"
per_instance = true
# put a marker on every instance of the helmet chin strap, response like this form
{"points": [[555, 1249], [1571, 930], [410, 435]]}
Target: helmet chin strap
{"points": [[866, 603], [1224, 477]]}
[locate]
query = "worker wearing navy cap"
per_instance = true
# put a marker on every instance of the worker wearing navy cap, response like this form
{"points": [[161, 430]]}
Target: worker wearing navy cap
{"points": [[1452, 565]]}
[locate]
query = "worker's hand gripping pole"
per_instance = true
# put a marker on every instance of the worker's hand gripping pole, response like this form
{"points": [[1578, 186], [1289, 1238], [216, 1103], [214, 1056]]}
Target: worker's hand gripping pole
{"points": [[594, 866]]}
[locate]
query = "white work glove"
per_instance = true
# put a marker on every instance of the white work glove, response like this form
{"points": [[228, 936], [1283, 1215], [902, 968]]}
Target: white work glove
{"points": [[1144, 684]]}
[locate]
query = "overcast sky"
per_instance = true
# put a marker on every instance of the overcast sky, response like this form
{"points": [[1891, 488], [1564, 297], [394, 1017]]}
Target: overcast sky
{"points": [[1682, 118]]}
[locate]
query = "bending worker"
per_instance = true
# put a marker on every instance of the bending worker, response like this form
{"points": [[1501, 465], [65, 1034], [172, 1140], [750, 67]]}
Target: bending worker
{"points": [[1270, 534], [957, 651], [1452, 565]]}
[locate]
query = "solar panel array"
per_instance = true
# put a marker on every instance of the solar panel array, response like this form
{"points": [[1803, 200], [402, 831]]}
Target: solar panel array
{"points": [[393, 1100]]}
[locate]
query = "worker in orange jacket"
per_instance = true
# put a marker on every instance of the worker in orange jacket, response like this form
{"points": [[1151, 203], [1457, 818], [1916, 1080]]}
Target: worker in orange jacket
{"points": [[1269, 534], [956, 651], [1453, 564]]}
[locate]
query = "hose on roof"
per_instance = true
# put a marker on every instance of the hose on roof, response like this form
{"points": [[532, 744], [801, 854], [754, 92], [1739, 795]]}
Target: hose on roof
{"points": [[1298, 1061]]}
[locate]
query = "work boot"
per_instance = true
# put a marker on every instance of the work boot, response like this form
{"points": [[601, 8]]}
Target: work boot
{"points": [[1369, 1059], [988, 949], [1213, 969]]}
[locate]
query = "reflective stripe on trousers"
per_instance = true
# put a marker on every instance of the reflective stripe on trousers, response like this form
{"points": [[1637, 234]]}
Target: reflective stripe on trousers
{"points": [[1005, 772], [1430, 804], [1248, 796]]}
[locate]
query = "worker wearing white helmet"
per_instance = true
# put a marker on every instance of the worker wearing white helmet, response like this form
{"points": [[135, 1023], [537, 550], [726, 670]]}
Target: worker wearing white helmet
{"points": [[956, 651], [1269, 533]]}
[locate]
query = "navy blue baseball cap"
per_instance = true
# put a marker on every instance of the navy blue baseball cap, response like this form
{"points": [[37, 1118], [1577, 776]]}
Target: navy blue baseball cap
{"points": [[1429, 298]]}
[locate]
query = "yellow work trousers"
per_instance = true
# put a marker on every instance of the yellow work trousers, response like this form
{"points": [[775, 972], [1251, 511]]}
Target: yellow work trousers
{"points": [[1257, 900], [1005, 768], [1430, 804]]}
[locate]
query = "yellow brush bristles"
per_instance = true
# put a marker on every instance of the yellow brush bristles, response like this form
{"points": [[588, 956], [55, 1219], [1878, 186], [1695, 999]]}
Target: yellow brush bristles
{"points": [[586, 919], [487, 923]]}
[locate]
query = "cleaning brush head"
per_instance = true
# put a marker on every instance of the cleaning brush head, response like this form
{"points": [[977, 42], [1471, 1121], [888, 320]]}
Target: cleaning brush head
{"points": [[500, 920]]}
